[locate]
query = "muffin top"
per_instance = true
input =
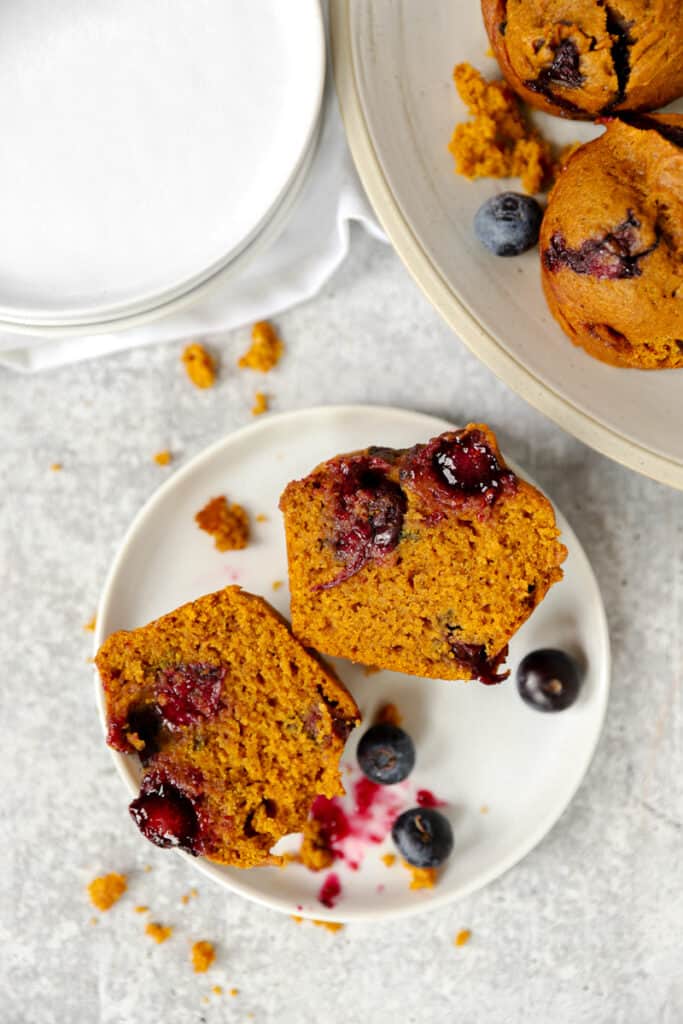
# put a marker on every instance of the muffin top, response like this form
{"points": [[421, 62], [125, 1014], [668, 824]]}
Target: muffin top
{"points": [[586, 58], [612, 243]]}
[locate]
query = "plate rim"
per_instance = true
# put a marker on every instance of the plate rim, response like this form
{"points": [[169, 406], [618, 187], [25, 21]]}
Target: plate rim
{"points": [[216, 872], [435, 287]]}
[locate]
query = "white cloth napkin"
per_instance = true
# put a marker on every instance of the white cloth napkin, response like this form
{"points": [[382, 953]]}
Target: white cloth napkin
{"points": [[312, 244]]}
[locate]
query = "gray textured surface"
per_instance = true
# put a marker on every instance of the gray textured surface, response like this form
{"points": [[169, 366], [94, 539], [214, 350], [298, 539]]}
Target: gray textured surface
{"points": [[587, 928]]}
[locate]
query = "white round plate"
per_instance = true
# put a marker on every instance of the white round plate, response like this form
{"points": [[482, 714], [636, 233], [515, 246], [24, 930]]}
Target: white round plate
{"points": [[146, 145], [477, 746], [393, 66]]}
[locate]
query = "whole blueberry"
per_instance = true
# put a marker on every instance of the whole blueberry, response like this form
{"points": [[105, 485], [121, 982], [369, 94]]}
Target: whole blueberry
{"points": [[423, 836], [548, 680], [386, 754], [508, 224]]}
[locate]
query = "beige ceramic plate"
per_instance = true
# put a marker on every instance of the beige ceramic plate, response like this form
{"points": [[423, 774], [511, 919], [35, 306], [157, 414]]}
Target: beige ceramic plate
{"points": [[393, 63]]}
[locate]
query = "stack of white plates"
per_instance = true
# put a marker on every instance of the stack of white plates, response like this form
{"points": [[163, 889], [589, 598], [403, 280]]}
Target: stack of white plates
{"points": [[149, 150]]}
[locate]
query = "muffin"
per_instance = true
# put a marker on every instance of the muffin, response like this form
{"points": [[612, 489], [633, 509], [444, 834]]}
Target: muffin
{"points": [[589, 58], [611, 244], [238, 728], [424, 560]]}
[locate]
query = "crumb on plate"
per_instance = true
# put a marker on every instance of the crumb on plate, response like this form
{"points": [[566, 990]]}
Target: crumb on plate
{"points": [[158, 932], [163, 458], [277, 584], [388, 859], [228, 524], [107, 890], [421, 878], [260, 404], [463, 937], [199, 365], [315, 852], [260, 518], [203, 955], [497, 142], [91, 624], [266, 348]]}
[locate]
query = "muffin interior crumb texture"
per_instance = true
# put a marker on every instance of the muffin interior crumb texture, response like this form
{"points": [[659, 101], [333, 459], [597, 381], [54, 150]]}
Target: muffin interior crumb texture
{"points": [[237, 726], [202, 955], [424, 561], [227, 524]]}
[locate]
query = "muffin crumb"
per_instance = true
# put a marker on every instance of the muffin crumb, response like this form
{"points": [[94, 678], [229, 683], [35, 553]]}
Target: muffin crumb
{"points": [[199, 365], [163, 458], [277, 584], [203, 955], [141, 909], [234, 991], [260, 404], [107, 890], [158, 932], [315, 853], [217, 990], [331, 926], [388, 859], [266, 348], [91, 624], [56, 467], [260, 518], [420, 878], [463, 937], [497, 142], [228, 524]]}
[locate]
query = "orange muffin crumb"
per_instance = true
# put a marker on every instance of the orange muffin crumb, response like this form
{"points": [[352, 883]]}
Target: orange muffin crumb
{"points": [[421, 878], [217, 990], [266, 348], [141, 909], [228, 524], [463, 937], [94, 920], [484, 809], [107, 890], [199, 365], [260, 404], [331, 926], [497, 142], [389, 859], [163, 458], [203, 955], [315, 853], [296, 918], [277, 584], [56, 467], [90, 625], [234, 991], [260, 518], [389, 714], [158, 932]]}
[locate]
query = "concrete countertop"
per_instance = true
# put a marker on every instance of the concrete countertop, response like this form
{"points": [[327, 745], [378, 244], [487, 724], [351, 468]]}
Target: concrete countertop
{"points": [[587, 928]]}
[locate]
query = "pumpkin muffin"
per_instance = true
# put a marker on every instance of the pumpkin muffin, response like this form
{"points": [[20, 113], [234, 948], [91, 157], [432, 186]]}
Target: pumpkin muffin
{"points": [[611, 244], [424, 560], [237, 726], [588, 58]]}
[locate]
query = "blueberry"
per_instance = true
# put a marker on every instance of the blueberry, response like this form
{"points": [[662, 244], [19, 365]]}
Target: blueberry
{"points": [[423, 836], [508, 224], [386, 754], [548, 680]]}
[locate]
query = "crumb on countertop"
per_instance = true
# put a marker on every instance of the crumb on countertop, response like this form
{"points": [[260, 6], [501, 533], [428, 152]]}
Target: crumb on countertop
{"points": [[497, 142], [228, 524], [107, 890], [217, 990], [463, 937], [277, 584], [147, 868], [199, 365], [388, 859], [56, 467], [389, 714], [163, 458], [260, 404], [91, 624], [158, 932], [94, 920], [141, 909], [203, 955], [234, 991], [331, 926], [266, 348], [421, 878], [484, 809]]}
